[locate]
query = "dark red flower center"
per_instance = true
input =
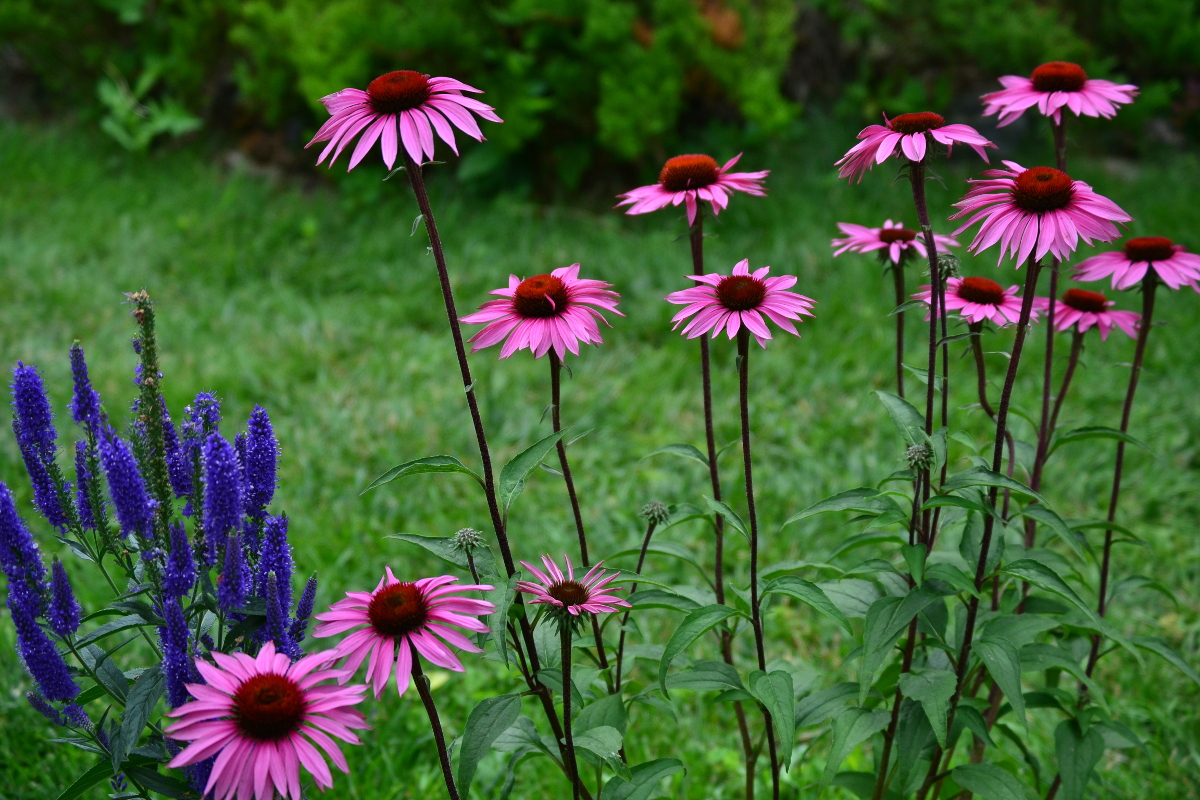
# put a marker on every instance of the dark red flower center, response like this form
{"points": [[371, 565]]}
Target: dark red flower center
{"points": [[1083, 300], [541, 296], [981, 290], [689, 172], [741, 292], [398, 91], [268, 707], [1149, 248], [1043, 189], [569, 593], [916, 123], [398, 609], [890, 235], [1059, 76]]}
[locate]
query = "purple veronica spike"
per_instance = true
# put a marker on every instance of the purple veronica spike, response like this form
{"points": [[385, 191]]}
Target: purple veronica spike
{"points": [[304, 610], [175, 665], [63, 612], [233, 588], [262, 456], [43, 707], [277, 618], [75, 715], [275, 557], [134, 509], [45, 493], [85, 401], [178, 469], [33, 421], [83, 482], [222, 489], [180, 573]]}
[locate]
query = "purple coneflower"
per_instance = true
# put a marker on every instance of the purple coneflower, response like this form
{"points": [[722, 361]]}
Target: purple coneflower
{"points": [[590, 594], [726, 302], [1053, 87], [1127, 266], [1080, 310], [689, 179], [893, 237], [979, 300], [905, 134]]}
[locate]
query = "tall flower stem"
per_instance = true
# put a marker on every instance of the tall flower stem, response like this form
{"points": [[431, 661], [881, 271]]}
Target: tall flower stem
{"points": [[417, 181], [556, 417], [898, 282], [964, 656], [650, 526], [564, 632], [1072, 363], [439, 738], [743, 342]]}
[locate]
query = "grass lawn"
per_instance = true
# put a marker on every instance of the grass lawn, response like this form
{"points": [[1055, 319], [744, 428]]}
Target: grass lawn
{"points": [[320, 306]]}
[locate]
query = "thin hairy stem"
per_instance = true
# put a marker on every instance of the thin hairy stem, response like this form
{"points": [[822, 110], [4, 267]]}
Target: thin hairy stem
{"points": [[650, 526], [1044, 428], [564, 632], [439, 738], [1072, 363], [898, 282]]}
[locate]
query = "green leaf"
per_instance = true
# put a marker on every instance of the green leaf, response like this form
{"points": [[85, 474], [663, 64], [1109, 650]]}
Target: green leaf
{"points": [[665, 548], [140, 703], [1043, 577], [942, 500], [971, 543], [662, 598], [865, 540], [730, 516], [1091, 432], [1018, 629], [108, 674], [1058, 527], [422, 466], [107, 629], [163, 784], [1039, 656], [907, 419], [608, 710], [1078, 754], [851, 728], [982, 476], [443, 547], [643, 780], [502, 598], [99, 772], [907, 306], [952, 575], [517, 471], [886, 620], [682, 450], [988, 781], [862, 501], [810, 594], [490, 718], [774, 691], [1133, 583], [969, 719], [931, 688], [523, 734], [853, 596], [1164, 650], [602, 745], [914, 557], [1003, 661], [691, 629], [820, 706], [705, 676]]}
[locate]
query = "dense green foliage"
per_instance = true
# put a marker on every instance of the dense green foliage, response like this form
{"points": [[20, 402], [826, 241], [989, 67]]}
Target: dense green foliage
{"points": [[321, 307]]}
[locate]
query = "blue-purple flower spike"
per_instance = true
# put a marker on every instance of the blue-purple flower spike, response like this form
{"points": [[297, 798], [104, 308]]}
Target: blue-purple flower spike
{"points": [[33, 421], [83, 482], [179, 468], [176, 662], [304, 610], [45, 493], [180, 573], [64, 612], [222, 490], [233, 587], [85, 401], [276, 557], [134, 509], [277, 621], [262, 458]]}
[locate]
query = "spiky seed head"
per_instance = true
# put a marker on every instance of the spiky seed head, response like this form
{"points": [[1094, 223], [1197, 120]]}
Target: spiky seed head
{"points": [[468, 540], [656, 513], [949, 265], [919, 456]]}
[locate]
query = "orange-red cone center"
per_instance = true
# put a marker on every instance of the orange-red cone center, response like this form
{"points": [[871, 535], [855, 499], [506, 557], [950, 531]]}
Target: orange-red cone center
{"points": [[741, 292], [981, 290], [569, 593], [689, 172], [1149, 248], [890, 235], [1083, 300], [268, 707], [397, 609], [1043, 189], [919, 122], [1059, 76], [398, 91], [540, 297]]}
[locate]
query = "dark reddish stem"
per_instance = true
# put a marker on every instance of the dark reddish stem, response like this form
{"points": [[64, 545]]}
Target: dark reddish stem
{"points": [[898, 281], [564, 631], [650, 526], [1072, 363], [431, 710]]}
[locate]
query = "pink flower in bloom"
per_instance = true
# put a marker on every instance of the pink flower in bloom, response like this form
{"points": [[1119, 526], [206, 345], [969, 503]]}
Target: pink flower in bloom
{"points": [[979, 299], [687, 179], [1052, 87], [726, 302], [1083, 310], [404, 102], [257, 715], [398, 618], [589, 594], [1175, 266], [906, 134], [544, 311], [1036, 211], [892, 237]]}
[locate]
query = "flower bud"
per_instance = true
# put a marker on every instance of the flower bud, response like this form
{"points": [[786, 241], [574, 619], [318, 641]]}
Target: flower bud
{"points": [[468, 540], [656, 513], [919, 456], [949, 265]]}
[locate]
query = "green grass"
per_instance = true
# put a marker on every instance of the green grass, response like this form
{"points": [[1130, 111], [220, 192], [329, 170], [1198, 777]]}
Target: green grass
{"points": [[320, 306]]}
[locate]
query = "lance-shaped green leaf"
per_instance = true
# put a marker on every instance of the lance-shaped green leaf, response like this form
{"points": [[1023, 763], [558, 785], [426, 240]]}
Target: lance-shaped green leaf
{"points": [[99, 772], [1038, 656], [820, 706], [608, 710], [516, 472], [707, 676], [643, 780], [602, 745], [662, 598], [774, 691], [1078, 754], [810, 594], [692, 628], [862, 501], [109, 628], [139, 704], [1057, 526], [982, 476], [907, 419], [1163, 650], [1061, 438], [988, 781], [502, 598], [665, 548], [682, 450], [730, 516], [1041, 576], [422, 466], [1003, 661], [443, 547], [931, 688], [851, 727], [886, 620]]}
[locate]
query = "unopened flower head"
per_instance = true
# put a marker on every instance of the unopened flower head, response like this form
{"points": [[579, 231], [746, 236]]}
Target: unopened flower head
{"points": [[906, 135], [1173, 265], [689, 179], [656, 513], [919, 456], [949, 265], [468, 540], [893, 241], [1053, 87]]}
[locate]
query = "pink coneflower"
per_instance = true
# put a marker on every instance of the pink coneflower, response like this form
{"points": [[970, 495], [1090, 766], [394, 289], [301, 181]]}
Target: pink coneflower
{"points": [[543, 312], [892, 237], [979, 299], [1052, 87], [691, 178], [257, 716], [588, 595], [906, 134], [726, 302], [409, 102], [400, 617], [1174, 265], [1082, 310], [1038, 210]]}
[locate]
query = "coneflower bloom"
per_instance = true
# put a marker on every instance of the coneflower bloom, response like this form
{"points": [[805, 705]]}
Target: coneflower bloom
{"points": [[1052, 87], [543, 312], [589, 594], [979, 299], [404, 102], [1175, 266], [892, 237], [905, 134], [726, 302], [1081, 310], [691, 178], [263, 718], [399, 617], [1036, 211]]}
